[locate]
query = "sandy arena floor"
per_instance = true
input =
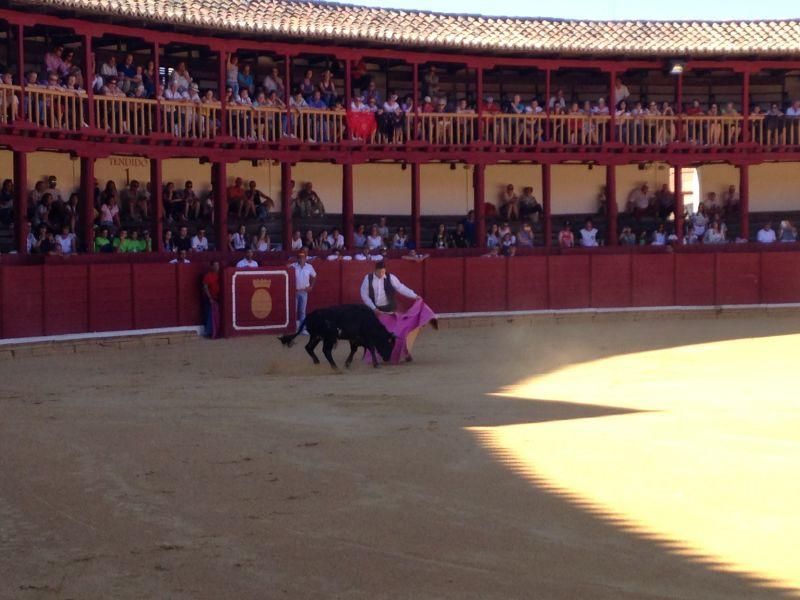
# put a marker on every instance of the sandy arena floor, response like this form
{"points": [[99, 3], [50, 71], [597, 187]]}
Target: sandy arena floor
{"points": [[553, 461]]}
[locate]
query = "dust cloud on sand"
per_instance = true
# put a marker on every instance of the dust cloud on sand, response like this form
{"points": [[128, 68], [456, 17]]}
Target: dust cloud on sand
{"points": [[237, 469]]}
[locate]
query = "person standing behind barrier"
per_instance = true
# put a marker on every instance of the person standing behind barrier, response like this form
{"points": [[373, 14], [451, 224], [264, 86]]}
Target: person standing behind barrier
{"points": [[211, 292], [305, 276]]}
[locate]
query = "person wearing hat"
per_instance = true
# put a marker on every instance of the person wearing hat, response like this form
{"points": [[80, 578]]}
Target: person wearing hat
{"points": [[305, 277]]}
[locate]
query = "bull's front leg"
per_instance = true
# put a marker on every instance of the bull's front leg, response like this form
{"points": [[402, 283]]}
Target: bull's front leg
{"points": [[327, 350], [311, 345], [374, 356], [353, 349]]}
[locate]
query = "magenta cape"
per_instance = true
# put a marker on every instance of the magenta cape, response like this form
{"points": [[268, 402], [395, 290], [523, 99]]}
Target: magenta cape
{"points": [[405, 326]]}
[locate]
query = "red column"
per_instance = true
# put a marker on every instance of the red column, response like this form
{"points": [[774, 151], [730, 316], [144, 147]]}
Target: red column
{"points": [[286, 205], [679, 208], [416, 189], [219, 178], [223, 112], [88, 80], [21, 201], [745, 107], [479, 100], [612, 108], [611, 205], [156, 204], [546, 209], [157, 65], [21, 72], [479, 191], [744, 201], [347, 204], [87, 203]]}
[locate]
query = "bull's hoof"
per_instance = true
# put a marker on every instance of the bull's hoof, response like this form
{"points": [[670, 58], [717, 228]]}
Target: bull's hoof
{"points": [[409, 359], [376, 366]]}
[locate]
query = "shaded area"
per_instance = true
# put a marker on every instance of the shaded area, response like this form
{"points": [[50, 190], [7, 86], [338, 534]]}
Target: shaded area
{"points": [[187, 471]]}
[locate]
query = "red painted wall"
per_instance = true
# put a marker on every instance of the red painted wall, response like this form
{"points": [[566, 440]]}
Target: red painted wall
{"points": [[51, 299]]}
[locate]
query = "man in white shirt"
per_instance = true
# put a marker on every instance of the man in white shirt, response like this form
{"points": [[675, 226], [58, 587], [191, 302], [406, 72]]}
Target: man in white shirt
{"points": [[794, 109], [247, 262], [378, 290], [589, 235], [621, 92], [730, 199], [180, 259], [639, 201], [200, 241], [304, 278], [336, 240], [766, 235]]}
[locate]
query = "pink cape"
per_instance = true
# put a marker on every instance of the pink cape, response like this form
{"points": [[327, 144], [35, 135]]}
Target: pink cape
{"points": [[405, 326]]}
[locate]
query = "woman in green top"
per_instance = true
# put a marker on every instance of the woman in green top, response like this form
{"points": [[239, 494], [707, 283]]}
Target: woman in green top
{"points": [[101, 241]]}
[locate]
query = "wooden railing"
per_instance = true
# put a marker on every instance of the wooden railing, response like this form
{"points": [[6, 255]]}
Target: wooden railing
{"points": [[54, 109], [9, 103], [63, 110]]}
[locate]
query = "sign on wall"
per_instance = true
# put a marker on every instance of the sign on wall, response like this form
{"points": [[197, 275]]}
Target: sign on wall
{"points": [[259, 301]]}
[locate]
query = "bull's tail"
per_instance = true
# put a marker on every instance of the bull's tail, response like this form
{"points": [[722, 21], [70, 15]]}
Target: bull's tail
{"points": [[288, 340]]}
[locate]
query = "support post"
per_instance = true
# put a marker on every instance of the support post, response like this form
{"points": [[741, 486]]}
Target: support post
{"points": [[611, 205], [87, 203], [20, 201], [416, 194], [157, 67], [89, 80], [744, 201], [21, 115], [546, 208], [156, 205], [612, 108], [219, 178], [479, 192], [679, 208], [479, 102], [223, 111], [745, 107], [286, 205], [347, 204]]}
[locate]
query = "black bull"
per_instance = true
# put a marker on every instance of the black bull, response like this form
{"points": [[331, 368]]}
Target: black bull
{"points": [[355, 323]]}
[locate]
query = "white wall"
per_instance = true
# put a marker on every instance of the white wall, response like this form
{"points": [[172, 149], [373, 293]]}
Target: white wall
{"points": [[574, 188], [774, 186], [382, 189]]}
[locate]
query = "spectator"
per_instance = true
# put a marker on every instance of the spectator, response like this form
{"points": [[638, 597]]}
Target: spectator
{"points": [[665, 202], [261, 241], [713, 204], [714, 234], [181, 77], [52, 187], [7, 202], [211, 296], [108, 70], [183, 241], [440, 237], [508, 240], [173, 203], [528, 205], [336, 239], [246, 81], [700, 221], [400, 241], [66, 239], [566, 239], [525, 238], [122, 243], [766, 235], [589, 235], [102, 241], [145, 243], [238, 240], [621, 92], [48, 245], [309, 202], [639, 202], [493, 237], [627, 237], [322, 241], [236, 196], [181, 259], [309, 241], [360, 237], [414, 256], [375, 239], [297, 241], [509, 204], [494, 252], [135, 201], [200, 241], [262, 203], [327, 88], [35, 240], [730, 200], [383, 230], [274, 83], [247, 262], [659, 236], [109, 214], [788, 233], [169, 242]]}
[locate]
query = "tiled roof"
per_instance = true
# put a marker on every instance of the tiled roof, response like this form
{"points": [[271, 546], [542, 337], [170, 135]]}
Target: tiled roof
{"points": [[330, 21]]}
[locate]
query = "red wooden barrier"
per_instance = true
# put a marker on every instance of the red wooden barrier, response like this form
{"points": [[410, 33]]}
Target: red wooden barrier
{"points": [[110, 298], [738, 278], [485, 285], [527, 282], [694, 279], [444, 284], [66, 299], [23, 301], [352, 274], [611, 280], [569, 279], [155, 302], [780, 272], [328, 287], [653, 280], [189, 294]]}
